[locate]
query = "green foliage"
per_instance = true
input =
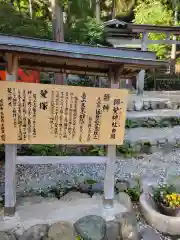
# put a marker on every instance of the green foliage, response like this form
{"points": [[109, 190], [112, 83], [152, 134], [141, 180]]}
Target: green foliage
{"points": [[18, 23], [56, 150], [97, 151], [84, 81], [127, 150], [90, 181], [172, 83], [131, 124], [78, 238], [133, 194], [85, 31], [2, 154], [155, 13], [162, 190], [1, 201], [123, 7], [41, 150]]}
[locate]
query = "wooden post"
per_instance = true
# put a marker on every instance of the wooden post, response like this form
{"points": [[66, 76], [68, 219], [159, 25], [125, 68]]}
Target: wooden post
{"points": [[109, 180], [174, 46], [141, 75], [10, 150]]}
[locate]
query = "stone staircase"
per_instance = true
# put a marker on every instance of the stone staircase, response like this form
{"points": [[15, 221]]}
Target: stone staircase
{"points": [[154, 117]]}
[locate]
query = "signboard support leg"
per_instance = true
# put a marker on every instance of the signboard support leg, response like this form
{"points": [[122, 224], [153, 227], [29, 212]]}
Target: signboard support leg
{"points": [[109, 177], [109, 180], [10, 151]]}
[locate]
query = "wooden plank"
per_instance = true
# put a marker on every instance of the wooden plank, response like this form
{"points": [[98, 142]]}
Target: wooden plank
{"points": [[10, 151], [61, 160], [70, 114]]}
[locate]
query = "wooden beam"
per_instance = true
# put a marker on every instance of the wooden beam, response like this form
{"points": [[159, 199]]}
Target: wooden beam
{"points": [[10, 149], [60, 160], [64, 67], [138, 41], [163, 41]]}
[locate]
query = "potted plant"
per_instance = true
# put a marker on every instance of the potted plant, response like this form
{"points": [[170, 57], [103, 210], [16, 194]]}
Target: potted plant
{"points": [[167, 199]]}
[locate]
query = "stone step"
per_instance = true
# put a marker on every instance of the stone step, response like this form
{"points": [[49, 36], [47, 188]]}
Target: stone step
{"points": [[155, 136], [154, 114], [153, 101]]}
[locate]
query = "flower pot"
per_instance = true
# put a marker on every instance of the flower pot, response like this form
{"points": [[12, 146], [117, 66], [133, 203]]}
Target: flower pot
{"points": [[169, 211]]}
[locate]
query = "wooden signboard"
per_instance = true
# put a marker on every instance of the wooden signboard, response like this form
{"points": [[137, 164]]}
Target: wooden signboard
{"points": [[53, 114]]}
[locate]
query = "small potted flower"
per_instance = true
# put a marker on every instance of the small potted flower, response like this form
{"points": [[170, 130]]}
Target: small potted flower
{"points": [[167, 199]]}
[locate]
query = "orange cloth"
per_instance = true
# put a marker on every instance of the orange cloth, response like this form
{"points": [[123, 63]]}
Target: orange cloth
{"points": [[2, 75], [23, 76]]}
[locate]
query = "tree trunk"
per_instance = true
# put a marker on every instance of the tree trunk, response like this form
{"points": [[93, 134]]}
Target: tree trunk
{"points": [[98, 11], [58, 31], [113, 9], [30, 8]]}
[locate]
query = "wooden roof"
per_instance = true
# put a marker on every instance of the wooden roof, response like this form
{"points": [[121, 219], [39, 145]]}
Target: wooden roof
{"points": [[74, 58], [140, 28]]}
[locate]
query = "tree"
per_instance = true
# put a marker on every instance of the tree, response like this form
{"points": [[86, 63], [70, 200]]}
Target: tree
{"points": [[156, 13], [85, 31], [19, 23]]}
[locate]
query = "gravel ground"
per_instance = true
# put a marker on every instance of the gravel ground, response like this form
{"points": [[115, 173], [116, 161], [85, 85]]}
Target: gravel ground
{"points": [[142, 223], [152, 168]]}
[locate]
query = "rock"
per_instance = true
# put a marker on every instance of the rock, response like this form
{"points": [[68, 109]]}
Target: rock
{"points": [[91, 227], [6, 236], [72, 196], [130, 106], [137, 147], [17, 231], [149, 233], [125, 200], [162, 142], [146, 105], [133, 183], [61, 230], [122, 185], [37, 232], [98, 188], [112, 230], [138, 105], [94, 188], [174, 105], [168, 105], [128, 226], [2, 189], [153, 105], [161, 105]]}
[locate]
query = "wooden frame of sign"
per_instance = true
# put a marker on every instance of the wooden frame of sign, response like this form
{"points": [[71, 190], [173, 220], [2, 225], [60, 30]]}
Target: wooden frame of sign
{"points": [[67, 58], [12, 132]]}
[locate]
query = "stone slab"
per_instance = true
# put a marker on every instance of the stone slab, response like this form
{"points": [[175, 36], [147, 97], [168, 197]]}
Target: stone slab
{"points": [[34, 210]]}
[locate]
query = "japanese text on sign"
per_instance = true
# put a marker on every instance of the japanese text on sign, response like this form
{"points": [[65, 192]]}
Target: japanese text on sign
{"points": [[51, 114]]}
